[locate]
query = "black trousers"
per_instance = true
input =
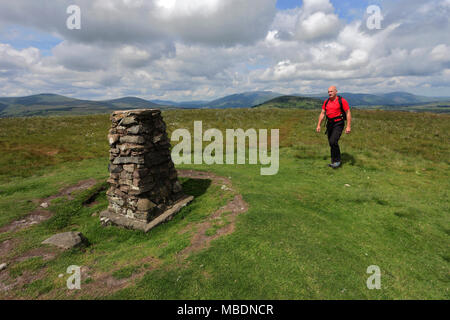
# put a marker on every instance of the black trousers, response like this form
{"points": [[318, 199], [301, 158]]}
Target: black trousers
{"points": [[334, 134]]}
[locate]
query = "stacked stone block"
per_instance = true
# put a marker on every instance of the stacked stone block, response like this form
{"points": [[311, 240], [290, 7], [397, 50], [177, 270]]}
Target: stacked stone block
{"points": [[143, 179]]}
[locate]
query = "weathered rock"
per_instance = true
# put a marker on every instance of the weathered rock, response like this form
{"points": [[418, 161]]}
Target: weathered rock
{"points": [[128, 160], [158, 138], [131, 147], [3, 266], [114, 168], [135, 130], [145, 205], [126, 175], [132, 139], [105, 221], [128, 121], [113, 138], [66, 240], [44, 205], [129, 168]]}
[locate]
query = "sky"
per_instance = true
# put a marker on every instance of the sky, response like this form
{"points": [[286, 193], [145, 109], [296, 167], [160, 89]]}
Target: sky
{"points": [[205, 49]]}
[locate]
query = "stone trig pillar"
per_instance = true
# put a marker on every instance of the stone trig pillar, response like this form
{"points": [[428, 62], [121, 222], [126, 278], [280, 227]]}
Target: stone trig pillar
{"points": [[144, 187]]}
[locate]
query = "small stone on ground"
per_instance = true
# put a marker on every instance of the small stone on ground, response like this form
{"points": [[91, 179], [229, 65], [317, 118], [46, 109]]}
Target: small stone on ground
{"points": [[66, 240]]}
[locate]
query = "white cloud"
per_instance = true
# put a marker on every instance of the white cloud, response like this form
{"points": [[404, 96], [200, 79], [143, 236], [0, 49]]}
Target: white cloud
{"points": [[199, 49], [441, 53], [12, 59], [215, 22], [317, 25], [313, 6]]}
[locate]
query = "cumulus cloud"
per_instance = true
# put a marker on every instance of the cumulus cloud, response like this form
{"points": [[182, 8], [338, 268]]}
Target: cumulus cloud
{"points": [[12, 59], [216, 22], [203, 49], [318, 25], [317, 20]]}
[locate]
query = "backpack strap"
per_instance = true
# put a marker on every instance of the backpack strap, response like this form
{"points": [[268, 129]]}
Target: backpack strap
{"points": [[344, 115]]}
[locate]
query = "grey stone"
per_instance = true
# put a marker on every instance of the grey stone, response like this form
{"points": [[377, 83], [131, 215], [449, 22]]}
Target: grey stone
{"points": [[145, 205], [128, 160], [66, 240], [126, 175], [105, 221], [128, 121], [3, 266], [113, 138], [137, 190], [129, 168], [131, 147], [158, 138], [114, 169], [132, 139], [135, 129], [117, 201], [44, 205]]}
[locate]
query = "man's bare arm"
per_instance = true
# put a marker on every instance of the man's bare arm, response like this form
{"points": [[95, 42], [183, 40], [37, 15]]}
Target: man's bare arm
{"points": [[349, 122], [321, 117]]}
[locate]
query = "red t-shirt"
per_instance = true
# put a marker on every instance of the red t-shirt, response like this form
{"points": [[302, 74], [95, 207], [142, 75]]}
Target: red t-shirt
{"points": [[334, 108]]}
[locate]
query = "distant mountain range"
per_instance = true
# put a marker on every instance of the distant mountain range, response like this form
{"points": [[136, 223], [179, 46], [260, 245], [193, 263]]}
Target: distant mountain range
{"points": [[386, 99], [53, 104], [240, 100]]}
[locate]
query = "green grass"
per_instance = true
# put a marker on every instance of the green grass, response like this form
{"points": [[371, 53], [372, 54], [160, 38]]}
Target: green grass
{"points": [[32, 264], [306, 235]]}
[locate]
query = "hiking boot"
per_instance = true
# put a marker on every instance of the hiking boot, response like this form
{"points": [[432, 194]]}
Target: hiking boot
{"points": [[335, 165]]}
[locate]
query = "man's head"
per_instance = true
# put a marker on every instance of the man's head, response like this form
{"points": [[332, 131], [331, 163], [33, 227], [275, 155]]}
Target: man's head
{"points": [[332, 92]]}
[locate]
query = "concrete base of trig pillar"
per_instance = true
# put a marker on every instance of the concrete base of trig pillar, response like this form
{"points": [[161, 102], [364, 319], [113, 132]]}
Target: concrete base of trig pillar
{"points": [[144, 187]]}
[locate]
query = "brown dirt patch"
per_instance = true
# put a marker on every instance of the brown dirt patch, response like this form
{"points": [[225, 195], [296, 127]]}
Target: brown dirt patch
{"points": [[201, 241], [217, 180], [7, 246], [103, 283], [47, 253], [8, 284], [31, 219], [41, 214], [68, 191], [235, 207]]}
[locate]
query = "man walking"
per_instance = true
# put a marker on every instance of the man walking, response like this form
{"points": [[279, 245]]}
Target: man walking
{"points": [[336, 110]]}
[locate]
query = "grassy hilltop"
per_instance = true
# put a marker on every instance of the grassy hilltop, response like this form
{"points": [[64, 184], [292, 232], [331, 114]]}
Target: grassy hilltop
{"points": [[306, 235], [292, 102]]}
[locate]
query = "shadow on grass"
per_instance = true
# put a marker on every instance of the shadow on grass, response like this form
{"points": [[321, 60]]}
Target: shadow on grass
{"points": [[196, 187], [348, 159]]}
